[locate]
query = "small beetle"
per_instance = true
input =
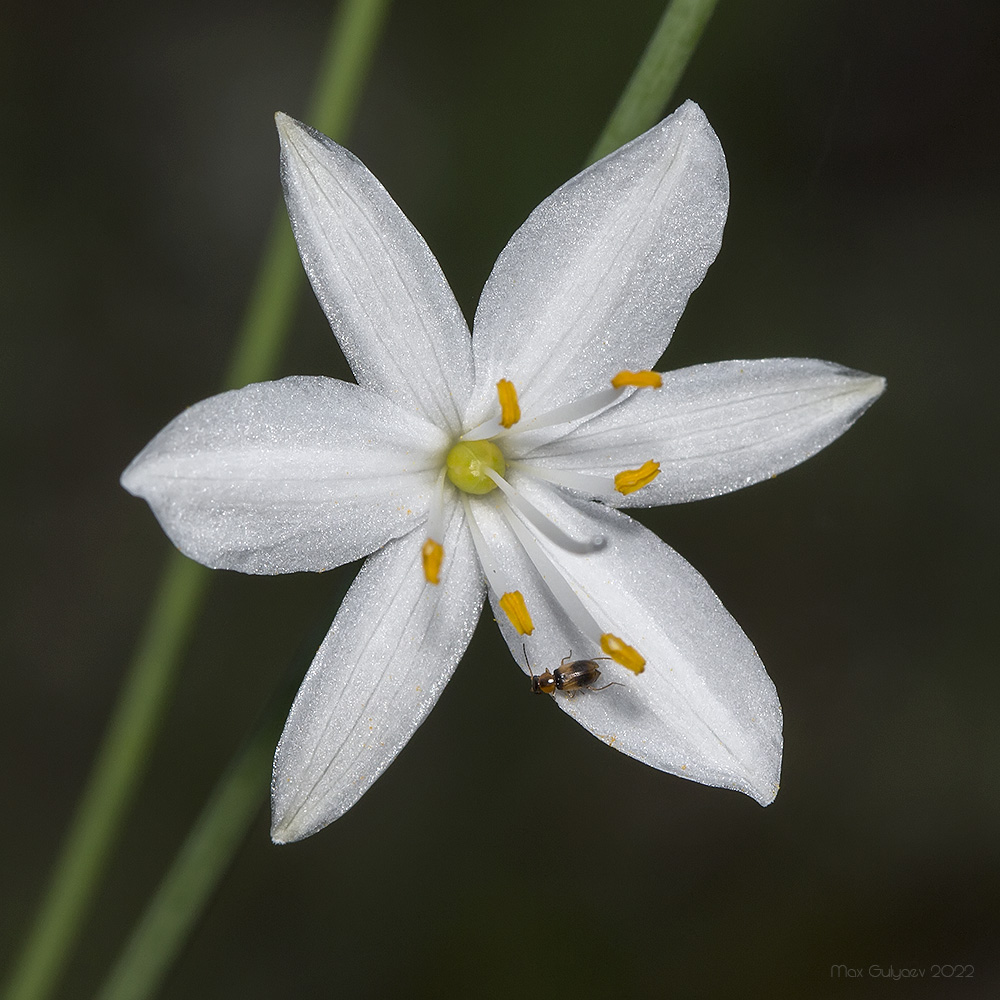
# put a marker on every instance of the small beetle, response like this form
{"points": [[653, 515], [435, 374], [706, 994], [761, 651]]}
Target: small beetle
{"points": [[566, 677]]}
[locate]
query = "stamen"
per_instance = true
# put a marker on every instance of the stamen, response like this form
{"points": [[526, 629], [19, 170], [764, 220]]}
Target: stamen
{"points": [[516, 610], [510, 411], [634, 479], [558, 586], [587, 406], [641, 380], [552, 531], [566, 597], [432, 553], [621, 652]]}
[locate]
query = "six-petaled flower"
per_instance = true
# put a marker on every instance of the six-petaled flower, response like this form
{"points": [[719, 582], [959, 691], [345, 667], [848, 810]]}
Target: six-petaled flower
{"points": [[499, 464]]}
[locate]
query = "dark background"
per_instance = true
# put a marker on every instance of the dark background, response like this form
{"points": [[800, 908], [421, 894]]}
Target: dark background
{"points": [[507, 852]]}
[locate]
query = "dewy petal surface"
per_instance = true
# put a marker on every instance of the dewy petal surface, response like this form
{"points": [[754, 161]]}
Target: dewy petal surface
{"points": [[380, 286], [305, 473], [597, 277], [393, 646], [715, 428], [704, 708]]}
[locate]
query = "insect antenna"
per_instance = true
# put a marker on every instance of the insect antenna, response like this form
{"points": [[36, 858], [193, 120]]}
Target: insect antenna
{"points": [[610, 684]]}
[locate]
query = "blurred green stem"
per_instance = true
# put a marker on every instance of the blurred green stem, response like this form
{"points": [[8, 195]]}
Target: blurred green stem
{"points": [[659, 71], [146, 688], [201, 862], [114, 775]]}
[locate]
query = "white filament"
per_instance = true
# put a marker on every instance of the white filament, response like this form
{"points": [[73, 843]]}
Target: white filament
{"points": [[548, 528], [498, 581], [583, 482], [435, 518]]}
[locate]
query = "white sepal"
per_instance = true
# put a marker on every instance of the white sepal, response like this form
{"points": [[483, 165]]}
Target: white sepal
{"points": [[302, 474], [704, 707], [380, 286], [392, 648], [597, 277], [715, 428]]}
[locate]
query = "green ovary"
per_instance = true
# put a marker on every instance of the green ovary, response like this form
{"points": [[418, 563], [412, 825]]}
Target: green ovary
{"points": [[467, 463]]}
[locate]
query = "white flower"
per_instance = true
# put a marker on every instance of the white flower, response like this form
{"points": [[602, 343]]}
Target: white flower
{"points": [[477, 463]]}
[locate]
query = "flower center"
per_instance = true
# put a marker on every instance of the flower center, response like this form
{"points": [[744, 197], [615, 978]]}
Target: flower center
{"points": [[475, 465], [467, 463]]}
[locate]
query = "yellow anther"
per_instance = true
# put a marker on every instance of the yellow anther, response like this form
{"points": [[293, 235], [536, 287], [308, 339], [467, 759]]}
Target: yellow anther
{"points": [[516, 610], [641, 380], [432, 553], [510, 411], [634, 479], [621, 652]]}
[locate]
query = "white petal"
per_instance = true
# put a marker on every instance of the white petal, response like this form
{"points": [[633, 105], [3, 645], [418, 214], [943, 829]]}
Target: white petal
{"points": [[302, 474], [378, 283], [393, 646], [704, 708], [597, 277], [714, 428]]}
